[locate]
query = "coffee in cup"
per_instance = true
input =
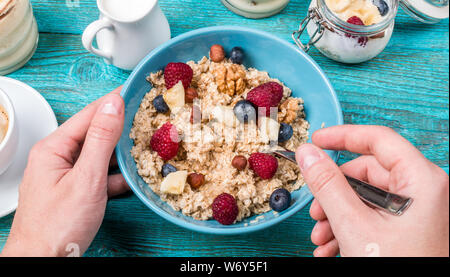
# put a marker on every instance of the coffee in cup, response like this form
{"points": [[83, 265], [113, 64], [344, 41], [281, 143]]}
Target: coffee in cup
{"points": [[4, 123], [9, 132]]}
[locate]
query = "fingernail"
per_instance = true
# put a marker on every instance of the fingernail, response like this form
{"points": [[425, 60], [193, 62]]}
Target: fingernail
{"points": [[307, 156], [112, 106]]}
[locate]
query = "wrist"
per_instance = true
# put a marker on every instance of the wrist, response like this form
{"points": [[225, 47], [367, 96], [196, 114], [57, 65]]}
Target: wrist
{"points": [[20, 246]]}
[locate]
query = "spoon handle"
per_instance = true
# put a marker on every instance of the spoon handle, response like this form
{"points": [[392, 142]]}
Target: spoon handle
{"points": [[389, 202]]}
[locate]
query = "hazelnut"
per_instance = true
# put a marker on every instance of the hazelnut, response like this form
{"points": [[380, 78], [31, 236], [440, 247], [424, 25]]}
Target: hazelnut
{"points": [[217, 54], [196, 180], [190, 94], [239, 162]]}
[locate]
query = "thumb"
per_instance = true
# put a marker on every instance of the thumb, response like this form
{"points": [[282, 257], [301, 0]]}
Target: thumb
{"points": [[101, 138], [329, 186]]}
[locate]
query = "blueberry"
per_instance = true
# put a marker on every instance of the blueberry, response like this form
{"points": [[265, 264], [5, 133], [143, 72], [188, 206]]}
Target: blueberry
{"points": [[237, 55], [167, 169], [382, 6], [160, 105], [286, 132], [245, 111], [280, 200]]}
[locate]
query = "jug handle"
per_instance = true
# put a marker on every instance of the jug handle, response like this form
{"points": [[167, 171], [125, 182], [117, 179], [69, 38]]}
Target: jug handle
{"points": [[91, 32]]}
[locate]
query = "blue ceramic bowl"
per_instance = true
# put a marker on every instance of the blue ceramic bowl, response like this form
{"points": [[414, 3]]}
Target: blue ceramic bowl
{"points": [[265, 52]]}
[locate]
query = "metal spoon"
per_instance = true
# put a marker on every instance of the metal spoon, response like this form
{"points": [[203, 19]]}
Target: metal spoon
{"points": [[389, 202]]}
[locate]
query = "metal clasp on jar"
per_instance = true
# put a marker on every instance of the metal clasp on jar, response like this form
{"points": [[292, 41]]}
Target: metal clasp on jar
{"points": [[313, 14]]}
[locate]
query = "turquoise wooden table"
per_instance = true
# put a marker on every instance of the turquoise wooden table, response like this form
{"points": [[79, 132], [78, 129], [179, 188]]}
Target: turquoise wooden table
{"points": [[406, 88]]}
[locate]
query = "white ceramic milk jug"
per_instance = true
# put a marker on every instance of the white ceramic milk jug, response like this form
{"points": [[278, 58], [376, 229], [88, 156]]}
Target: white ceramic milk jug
{"points": [[126, 31]]}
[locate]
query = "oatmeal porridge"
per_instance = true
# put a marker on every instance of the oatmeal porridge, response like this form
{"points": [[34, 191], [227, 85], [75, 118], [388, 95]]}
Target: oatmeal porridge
{"points": [[202, 133]]}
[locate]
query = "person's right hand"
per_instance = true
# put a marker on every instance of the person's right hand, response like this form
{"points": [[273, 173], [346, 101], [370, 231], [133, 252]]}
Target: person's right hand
{"points": [[348, 226]]}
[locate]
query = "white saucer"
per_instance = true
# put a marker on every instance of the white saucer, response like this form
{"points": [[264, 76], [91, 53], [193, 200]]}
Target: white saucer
{"points": [[36, 120]]}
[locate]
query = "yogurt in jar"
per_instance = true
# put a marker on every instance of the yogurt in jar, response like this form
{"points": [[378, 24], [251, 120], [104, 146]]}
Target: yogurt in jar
{"points": [[18, 34], [354, 31], [343, 40]]}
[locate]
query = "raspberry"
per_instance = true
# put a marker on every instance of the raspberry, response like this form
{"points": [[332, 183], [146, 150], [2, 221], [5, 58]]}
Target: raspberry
{"points": [[225, 209], [355, 20], [175, 72], [264, 165], [363, 41], [165, 141], [277, 89], [266, 96]]}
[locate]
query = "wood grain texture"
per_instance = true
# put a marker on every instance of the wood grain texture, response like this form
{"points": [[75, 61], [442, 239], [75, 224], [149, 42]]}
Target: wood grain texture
{"points": [[406, 88]]}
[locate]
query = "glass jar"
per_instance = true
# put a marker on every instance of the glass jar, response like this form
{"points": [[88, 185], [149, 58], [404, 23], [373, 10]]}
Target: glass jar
{"points": [[350, 43], [18, 34]]}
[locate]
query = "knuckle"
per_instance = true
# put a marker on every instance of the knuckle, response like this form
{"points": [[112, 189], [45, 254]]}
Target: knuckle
{"points": [[385, 130], [34, 152], [311, 212], [321, 177], [100, 132], [96, 180], [37, 150], [64, 148], [443, 181], [315, 238]]}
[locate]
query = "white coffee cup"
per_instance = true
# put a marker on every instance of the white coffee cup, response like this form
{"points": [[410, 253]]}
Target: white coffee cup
{"points": [[126, 31], [8, 146]]}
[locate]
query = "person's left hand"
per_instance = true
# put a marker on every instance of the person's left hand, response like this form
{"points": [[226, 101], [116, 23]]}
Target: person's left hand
{"points": [[63, 195]]}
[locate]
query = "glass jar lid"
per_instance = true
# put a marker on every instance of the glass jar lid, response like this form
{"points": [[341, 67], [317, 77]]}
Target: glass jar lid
{"points": [[427, 11]]}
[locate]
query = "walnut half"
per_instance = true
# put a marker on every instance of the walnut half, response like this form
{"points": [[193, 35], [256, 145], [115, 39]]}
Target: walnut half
{"points": [[230, 79], [289, 110]]}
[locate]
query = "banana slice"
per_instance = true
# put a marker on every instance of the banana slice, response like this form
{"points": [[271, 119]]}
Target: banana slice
{"points": [[174, 183], [269, 128], [225, 115], [174, 97]]}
